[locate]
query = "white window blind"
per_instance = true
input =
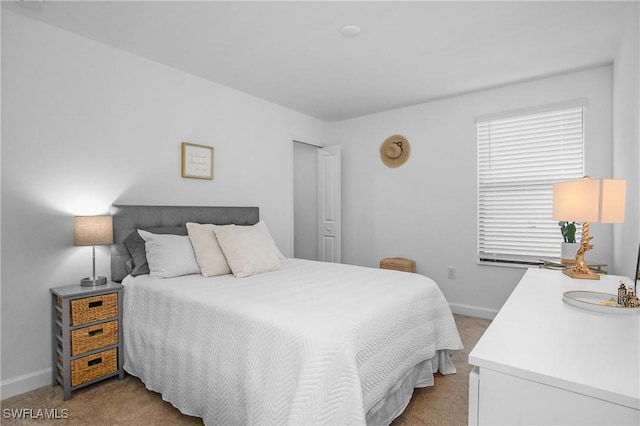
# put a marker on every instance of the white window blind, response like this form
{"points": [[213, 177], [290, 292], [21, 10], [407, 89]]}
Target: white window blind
{"points": [[519, 158]]}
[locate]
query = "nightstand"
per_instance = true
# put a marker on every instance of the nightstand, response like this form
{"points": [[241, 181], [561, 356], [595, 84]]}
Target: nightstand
{"points": [[86, 335]]}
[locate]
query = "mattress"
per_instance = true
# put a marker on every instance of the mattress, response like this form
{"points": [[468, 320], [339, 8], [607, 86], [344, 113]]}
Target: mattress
{"points": [[311, 343]]}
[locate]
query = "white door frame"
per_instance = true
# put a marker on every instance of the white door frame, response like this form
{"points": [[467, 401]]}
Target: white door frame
{"points": [[338, 228], [295, 140]]}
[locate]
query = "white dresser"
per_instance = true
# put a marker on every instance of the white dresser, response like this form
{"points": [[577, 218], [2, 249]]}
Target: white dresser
{"points": [[543, 361]]}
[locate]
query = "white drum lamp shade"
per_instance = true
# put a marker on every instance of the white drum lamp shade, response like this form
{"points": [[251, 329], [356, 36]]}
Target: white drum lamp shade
{"points": [[93, 231]]}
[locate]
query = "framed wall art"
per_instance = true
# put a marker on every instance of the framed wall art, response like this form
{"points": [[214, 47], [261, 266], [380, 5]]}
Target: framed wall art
{"points": [[197, 161]]}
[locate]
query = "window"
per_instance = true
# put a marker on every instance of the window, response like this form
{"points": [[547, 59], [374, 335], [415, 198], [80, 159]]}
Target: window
{"points": [[519, 158]]}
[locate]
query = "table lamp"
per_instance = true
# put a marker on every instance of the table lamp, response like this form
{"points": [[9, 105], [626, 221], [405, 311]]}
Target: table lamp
{"points": [[93, 231], [588, 200]]}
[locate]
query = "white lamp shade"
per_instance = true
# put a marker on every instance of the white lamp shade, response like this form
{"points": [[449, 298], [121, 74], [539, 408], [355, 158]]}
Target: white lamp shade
{"points": [[590, 200], [613, 193], [92, 230]]}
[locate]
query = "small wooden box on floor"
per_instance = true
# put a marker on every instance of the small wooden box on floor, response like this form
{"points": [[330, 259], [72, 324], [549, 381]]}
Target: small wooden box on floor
{"points": [[398, 264]]}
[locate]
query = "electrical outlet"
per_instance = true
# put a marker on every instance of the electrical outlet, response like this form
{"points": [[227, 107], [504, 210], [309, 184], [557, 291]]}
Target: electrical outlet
{"points": [[451, 273]]}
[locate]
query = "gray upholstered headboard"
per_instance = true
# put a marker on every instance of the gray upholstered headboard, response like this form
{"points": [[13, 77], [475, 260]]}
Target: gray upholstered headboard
{"points": [[127, 219]]}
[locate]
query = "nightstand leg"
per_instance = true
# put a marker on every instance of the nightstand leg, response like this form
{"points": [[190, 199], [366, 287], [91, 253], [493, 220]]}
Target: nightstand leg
{"points": [[54, 341], [120, 335], [66, 350]]}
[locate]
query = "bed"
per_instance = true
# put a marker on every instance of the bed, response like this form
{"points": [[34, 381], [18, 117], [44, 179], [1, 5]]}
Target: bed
{"points": [[308, 343]]}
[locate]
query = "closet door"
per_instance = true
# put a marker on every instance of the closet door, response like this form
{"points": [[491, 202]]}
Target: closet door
{"points": [[329, 218]]}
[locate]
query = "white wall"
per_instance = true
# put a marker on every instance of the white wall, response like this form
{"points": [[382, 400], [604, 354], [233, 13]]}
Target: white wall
{"points": [[626, 142], [85, 126], [426, 209]]}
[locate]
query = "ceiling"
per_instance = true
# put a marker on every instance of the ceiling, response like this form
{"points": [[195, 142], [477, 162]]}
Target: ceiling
{"points": [[292, 53]]}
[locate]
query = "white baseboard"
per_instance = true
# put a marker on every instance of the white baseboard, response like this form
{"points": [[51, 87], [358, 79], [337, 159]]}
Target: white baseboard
{"points": [[25, 383], [473, 311]]}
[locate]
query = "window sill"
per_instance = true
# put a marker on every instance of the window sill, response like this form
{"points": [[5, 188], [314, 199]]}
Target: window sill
{"points": [[509, 264]]}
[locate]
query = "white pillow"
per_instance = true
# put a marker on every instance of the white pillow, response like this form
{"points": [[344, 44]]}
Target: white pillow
{"points": [[247, 249], [271, 243], [169, 255], [207, 250]]}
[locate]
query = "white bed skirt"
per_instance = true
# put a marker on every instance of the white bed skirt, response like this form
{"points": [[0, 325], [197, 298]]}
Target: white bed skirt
{"points": [[421, 376], [395, 402]]}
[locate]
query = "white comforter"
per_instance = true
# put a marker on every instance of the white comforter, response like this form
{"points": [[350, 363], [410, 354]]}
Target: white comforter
{"points": [[312, 343]]}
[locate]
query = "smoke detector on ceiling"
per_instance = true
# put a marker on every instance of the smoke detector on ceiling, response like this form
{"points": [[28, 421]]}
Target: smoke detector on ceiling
{"points": [[350, 30]]}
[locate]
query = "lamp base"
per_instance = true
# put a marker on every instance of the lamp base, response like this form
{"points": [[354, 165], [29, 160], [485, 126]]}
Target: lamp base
{"points": [[580, 270], [93, 281], [581, 274]]}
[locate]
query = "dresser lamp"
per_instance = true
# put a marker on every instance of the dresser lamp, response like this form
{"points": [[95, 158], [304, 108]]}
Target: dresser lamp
{"points": [[93, 231], [588, 201]]}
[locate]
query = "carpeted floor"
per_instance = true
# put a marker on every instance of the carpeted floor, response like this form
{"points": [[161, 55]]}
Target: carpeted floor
{"points": [[447, 403], [127, 402]]}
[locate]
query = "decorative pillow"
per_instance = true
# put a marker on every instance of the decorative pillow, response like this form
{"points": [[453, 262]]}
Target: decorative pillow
{"points": [[272, 244], [247, 249], [169, 255], [207, 250], [134, 243]]}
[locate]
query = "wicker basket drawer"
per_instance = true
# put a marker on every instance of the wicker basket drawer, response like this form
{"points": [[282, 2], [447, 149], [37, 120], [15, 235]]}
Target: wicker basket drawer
{"points": [[398, 264], [92, 366], [94, 308], [93, 337]]}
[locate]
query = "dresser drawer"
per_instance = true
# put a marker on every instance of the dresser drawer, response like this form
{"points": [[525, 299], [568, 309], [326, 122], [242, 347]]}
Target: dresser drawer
{"points": [[94, 308], [92, 367], [93, 337]]}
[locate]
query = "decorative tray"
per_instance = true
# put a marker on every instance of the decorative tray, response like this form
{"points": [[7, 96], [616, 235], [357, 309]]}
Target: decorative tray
{"points": [[598, 302]]}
